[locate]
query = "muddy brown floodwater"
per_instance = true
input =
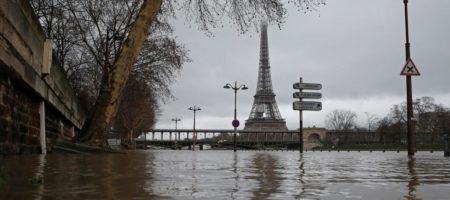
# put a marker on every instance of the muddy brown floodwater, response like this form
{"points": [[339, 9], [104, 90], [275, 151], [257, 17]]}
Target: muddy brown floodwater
{"points": [[169, 174]]}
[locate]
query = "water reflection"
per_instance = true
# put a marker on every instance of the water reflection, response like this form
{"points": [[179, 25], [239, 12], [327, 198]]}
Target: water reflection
{"points": [[312, 177], [301, 175], [148, 172], [18, 172], [77, 177], [265, 173], [101, 176], [39, 177], [235, 176], [226, 175], [413, 179], [194, 182]]}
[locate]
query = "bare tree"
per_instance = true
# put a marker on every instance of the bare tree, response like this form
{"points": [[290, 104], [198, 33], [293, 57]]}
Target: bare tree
{"points": [[431, 119], [390, 131], [341, 120], [372, 121], [383, 129], [137, 111]]}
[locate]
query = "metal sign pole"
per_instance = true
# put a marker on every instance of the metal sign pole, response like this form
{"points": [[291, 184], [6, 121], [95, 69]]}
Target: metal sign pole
{"points": [[235, 113], [446, 145], [409, 113], [301, 105], [301, 121], [194, 134]]}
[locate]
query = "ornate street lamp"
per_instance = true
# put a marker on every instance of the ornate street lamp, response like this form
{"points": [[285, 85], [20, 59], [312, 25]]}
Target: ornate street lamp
{"points": [[194, 137], [176, 120], [235, 121]]}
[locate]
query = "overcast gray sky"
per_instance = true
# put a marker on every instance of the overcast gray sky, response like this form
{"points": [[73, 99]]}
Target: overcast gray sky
{"points": [[354, 48]]}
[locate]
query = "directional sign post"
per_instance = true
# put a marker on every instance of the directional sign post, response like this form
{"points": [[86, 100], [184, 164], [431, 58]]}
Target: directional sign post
{"points": [[307, 95], [307, 86], [306, 105]]}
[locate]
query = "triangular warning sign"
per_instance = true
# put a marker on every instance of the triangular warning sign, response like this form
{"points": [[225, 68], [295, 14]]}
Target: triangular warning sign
{"points": [[410, 69]]}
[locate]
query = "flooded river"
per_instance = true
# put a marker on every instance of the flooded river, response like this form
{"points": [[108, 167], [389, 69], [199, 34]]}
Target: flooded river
{"points": [[167, 174]]}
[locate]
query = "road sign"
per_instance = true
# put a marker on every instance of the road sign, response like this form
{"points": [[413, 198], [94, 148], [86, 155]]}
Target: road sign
{"points": [[410, 69], [308, 86], [307, 95], [235, 123], [307, 105]]}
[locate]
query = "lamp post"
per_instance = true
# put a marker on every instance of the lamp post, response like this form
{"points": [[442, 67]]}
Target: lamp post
{"points": [[194, 136], [176, 120], [235, 121]]}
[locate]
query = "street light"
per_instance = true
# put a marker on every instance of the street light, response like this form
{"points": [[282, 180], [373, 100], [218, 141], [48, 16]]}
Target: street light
{"points": [[235, 121], [176, 120], [195, 109]]}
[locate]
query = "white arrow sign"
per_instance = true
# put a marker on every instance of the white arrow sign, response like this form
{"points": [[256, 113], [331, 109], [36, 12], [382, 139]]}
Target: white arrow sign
{"points": [[308, 86], [307, 105], [307, 95]]}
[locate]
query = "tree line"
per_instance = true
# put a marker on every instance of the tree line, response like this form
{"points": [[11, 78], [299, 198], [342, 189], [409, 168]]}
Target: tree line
{"points": [[431, 120]]}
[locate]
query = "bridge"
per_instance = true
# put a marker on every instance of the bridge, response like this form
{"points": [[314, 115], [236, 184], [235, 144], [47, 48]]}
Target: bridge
{"points": [[223, 139]]}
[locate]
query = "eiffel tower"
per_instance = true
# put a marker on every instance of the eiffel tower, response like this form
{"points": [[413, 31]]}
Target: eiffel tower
{"points": [[264, 115]]}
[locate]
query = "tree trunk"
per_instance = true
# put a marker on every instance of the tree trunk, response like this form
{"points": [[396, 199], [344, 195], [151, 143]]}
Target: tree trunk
{"points": [[108, 100], [130, 136]]}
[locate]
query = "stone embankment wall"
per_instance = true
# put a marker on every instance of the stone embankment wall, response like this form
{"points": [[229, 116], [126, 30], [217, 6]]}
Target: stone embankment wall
{"points": [[30, 96]]}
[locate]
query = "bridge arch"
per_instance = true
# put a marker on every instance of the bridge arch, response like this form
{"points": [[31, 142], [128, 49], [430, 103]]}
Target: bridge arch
{"points": [[313, 137]]}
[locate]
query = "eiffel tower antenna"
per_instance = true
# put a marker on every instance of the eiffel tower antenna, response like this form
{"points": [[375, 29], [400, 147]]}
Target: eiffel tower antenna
{"points": [[264, 114]]}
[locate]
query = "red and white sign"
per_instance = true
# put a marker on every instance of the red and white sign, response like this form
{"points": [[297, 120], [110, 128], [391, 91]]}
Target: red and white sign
{"points": [[410, 69]]}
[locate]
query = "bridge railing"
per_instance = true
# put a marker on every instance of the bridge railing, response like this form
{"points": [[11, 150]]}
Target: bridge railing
{"points": [[218, 135]]}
